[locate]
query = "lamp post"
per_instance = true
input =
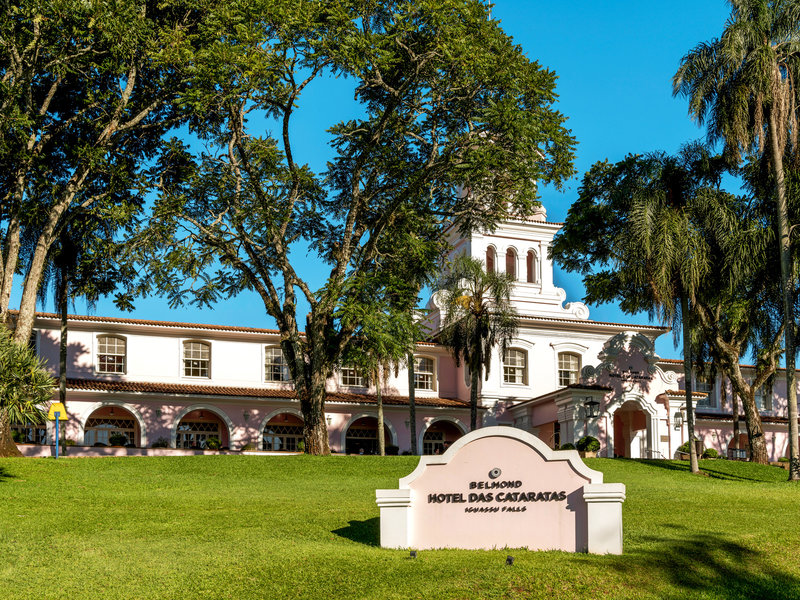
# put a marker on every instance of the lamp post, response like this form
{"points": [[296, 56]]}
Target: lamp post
{"points": [[57, 413]]}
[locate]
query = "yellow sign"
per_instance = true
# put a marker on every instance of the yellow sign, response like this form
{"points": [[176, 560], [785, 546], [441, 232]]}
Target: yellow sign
{"points": [[57, 407]]}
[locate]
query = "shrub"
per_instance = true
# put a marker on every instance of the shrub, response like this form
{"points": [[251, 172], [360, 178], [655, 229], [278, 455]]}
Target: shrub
{"points": [[567, 447], [588, 443], [406, 453], [117, 439], [213, 443], [301, 446], [248, 446], [17, 436], [710, 453], [161, 442], [783, 459], [684, 447], [70, 442], [392, 450]]}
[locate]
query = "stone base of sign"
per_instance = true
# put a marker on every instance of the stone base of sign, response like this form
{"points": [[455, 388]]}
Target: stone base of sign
{"points": [[503, 487]]}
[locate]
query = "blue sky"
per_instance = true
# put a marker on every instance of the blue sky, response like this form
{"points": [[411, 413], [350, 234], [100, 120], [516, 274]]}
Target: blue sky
{"points": [[614, 59]]}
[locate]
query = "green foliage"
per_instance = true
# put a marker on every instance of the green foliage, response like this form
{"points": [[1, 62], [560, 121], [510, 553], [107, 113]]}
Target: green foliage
{"points": [[684, 448], [248, 446], [70, 442], [17, 437], [588, 443], [783, 459], [25, 385], [117, 439], [213, 443], [710, 453], [567, 447], [161, 442], [477, 316]]}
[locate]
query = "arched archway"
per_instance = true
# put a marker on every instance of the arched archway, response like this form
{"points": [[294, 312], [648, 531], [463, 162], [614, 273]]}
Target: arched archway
{"points": [[195, 425], [282, 431], [440, 433], [361, 433], [106, 419], [634, 432]]}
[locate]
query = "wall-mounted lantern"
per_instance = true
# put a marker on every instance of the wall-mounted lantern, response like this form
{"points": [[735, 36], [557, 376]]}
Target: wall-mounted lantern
{"points": [[678, 420], [591, 405]]}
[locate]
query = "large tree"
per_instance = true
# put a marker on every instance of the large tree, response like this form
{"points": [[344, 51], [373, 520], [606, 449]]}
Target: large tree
{"points": [[477, 318], [444, 101], [744, 87], [673, 244], [87, 91]]}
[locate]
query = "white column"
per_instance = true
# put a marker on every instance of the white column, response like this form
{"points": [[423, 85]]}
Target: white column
{"points": [[604, 517], [395, 508]]}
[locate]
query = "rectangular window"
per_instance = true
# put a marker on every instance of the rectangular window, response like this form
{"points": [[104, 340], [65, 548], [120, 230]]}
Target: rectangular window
{"points": [[702, 384], [196, 359], [763, 398], [423, 374], [110, 354], [275, 367], [351, 377], [569, 368], [514, 366]]}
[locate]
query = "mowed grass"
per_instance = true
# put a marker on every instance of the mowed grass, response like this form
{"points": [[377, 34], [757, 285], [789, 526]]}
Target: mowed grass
{"points": [[305, 527]]}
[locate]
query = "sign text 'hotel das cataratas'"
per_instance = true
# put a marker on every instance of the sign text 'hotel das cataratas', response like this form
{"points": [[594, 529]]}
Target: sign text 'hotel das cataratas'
{"points": [[500, 487]]}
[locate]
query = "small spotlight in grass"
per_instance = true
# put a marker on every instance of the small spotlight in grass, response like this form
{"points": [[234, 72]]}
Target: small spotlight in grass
{"points": [[413, 554], [509, 560]]}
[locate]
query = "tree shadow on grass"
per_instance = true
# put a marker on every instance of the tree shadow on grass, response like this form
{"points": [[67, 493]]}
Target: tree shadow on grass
{"points": [[364, 532], [5, 474], [708, 471], [710, 564]]}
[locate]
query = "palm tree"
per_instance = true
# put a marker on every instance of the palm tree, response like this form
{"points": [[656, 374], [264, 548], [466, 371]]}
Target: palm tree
{"points": [[477, 315], [24, 388], [744, 87]]}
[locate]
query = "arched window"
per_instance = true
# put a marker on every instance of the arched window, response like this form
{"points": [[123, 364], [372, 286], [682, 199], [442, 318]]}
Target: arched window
{"points": [[275, 367], [531, 264], [196, 359], [569, 368], [111, 353], [490, 260], [511, 263], [283, 433], [515, 363], [424, 376]]}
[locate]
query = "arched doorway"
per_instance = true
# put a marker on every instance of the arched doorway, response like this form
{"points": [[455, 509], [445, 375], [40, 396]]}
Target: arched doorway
{"points": [[742, 445], [362, 436], [438, 437], [630, 431], [282, 433], [107, 423], [197, 427]]}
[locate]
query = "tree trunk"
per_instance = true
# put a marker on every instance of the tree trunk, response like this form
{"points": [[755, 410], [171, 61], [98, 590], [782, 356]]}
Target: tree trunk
{"points": [[12, 245], [787, 293], [7, 445], [412, 406], [755, 431], [381, 436], [687, 378], [312, 405], [737, 428], [475, 377]]}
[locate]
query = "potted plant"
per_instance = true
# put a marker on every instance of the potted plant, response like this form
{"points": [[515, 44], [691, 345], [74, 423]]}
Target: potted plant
{"points": [[117, 439], [567, 447], [213, 443], [588, 446]]}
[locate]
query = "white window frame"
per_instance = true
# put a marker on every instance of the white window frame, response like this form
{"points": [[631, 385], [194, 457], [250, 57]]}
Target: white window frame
{"points": [[709, 388], [358, 380], [98, 353], [519, 371], [560, 370], [184, 343], [268, 349], [432, 373]]}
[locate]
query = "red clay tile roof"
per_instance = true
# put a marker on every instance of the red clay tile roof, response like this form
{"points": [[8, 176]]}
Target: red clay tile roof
{"points": [[708, 416], [683, 393], [590, 322], [99, 385]]}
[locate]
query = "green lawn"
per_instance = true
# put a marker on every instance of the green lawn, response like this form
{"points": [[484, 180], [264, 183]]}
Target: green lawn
{"points": [[304, 527]]}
